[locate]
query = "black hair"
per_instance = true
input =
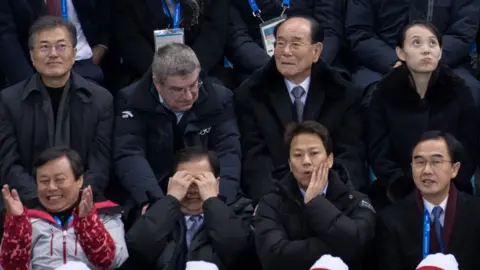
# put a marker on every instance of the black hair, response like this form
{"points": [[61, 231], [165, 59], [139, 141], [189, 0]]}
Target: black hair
{"points": [[401, 38], [308, 127], [76, 162], [49, 23], [316, 29], [194, 153], [454, 147]]}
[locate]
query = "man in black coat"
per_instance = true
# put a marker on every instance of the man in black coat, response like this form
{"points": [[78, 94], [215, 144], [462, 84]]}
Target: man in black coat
{"points": [[266, 102], [55, 107], [314, 210], [204, 22], [245, 47], [193, 223], [373, 26], [91, 19], [451, 217], [172, 107]]}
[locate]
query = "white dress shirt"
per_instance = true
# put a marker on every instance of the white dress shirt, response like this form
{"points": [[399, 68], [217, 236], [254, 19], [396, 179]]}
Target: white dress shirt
{"points": [[179, 115], [172, 5], [84, 51], [324, 192], [429, 206], [305, 84]]}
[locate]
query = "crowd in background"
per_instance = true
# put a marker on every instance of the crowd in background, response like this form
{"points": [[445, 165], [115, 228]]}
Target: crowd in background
{"points": [[251, 134]]}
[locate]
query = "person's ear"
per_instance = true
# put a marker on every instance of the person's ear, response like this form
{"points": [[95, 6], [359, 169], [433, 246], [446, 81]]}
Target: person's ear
{"points": [[455, 168], [330, 160], [79, 181], [400, 53], [317, 51]]}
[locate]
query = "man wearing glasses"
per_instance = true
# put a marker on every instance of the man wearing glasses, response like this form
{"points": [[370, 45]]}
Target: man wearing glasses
{"points": [[54, 107], [172, 107], [435, 217], [296, 85]]}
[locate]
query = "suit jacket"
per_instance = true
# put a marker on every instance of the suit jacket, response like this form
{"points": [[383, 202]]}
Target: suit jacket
{"points": [[263, 108], [400, 229], [16, 17], [157, 240], [135, 20]]}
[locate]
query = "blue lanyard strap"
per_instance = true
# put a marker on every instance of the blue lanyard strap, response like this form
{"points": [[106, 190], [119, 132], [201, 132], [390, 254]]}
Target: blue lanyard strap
{"points": [[176, 16], [63, 5], [59, 222], [257, 13], [426, 233]]}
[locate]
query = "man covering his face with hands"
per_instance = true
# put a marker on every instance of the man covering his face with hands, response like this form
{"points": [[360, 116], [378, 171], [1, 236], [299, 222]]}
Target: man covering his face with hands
{"points": [[193, 222]]}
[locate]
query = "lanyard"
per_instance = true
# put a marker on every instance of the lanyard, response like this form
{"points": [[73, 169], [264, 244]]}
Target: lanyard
{"points": [[59, 222], [257, 13], [63, 5], [426, 233], [176, 17]]}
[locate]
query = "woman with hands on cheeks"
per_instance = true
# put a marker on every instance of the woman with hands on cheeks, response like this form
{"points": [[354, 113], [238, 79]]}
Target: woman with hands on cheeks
{"points": [[64, 223], [314, 210]]}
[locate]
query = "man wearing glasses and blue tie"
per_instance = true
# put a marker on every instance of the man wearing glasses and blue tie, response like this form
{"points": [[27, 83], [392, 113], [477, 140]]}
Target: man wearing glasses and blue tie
{"points": [[172, 107], [436, 217]]}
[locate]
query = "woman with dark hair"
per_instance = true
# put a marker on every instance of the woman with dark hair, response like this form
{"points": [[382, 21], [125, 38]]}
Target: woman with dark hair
{"points": [[416, 96]]}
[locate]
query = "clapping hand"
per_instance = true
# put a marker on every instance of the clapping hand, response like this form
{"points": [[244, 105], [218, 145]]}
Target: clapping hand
{"points": [[86, 203], [12, 201], [318, 182]]}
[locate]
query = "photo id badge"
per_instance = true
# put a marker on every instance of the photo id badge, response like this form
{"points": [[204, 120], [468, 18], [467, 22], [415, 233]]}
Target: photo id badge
{"points": [[268, 37], [168, 36]]}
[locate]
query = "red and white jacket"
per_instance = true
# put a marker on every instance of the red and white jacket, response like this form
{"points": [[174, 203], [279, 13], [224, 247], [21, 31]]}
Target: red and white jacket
{"points": [[34, 240]]}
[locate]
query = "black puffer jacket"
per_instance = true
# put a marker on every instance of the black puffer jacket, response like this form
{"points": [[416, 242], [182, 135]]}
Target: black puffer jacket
{"points": [[293, 235]]}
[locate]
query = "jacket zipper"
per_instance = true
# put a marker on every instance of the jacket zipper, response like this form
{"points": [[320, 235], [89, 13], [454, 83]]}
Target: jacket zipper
{"points": [[64, 246]]}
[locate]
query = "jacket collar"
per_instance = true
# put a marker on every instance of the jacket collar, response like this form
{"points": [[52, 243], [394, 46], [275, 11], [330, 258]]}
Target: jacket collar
{"points": [[145, 99], [77, 83], [320, 74], [398, 85]]}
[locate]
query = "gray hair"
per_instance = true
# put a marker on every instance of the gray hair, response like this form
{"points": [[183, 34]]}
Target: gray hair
{"points": [[174, 59]]}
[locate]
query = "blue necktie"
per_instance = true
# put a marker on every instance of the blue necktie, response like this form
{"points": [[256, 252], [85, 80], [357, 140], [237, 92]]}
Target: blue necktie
{"points": [[298, 93], [193, 223], [437, 212]]}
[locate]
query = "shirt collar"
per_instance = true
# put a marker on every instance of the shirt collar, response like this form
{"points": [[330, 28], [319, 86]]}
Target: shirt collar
{"points": [[429, 206], [305, 85], [187, 217], [162, 101], [323, 193]]}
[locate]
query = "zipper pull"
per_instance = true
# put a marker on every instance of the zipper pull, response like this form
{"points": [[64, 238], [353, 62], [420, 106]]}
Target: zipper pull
{"points": [[64, 246]]}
